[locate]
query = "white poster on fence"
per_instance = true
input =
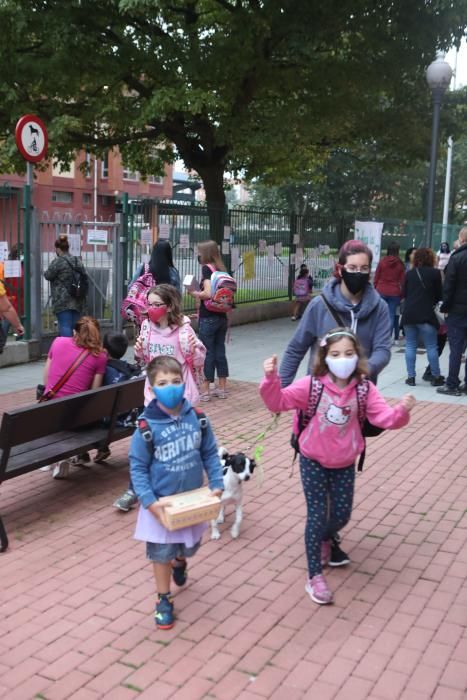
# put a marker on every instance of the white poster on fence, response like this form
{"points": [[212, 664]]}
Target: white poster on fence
{"points": [[369, 232]]}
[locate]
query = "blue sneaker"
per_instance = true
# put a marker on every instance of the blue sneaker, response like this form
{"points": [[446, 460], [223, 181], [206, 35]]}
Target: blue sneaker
{"points": [[179, 572], [164, 613]]}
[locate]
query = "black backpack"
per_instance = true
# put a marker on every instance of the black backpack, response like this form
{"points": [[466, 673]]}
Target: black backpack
{"points": [[79, 285]]}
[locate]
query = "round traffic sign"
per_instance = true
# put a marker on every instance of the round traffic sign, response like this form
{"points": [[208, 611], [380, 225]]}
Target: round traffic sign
{"points": [[31, 138]]}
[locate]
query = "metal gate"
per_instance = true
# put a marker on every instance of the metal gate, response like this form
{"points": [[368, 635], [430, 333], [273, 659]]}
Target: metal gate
{"points": [[13, 266], [100, 248]]}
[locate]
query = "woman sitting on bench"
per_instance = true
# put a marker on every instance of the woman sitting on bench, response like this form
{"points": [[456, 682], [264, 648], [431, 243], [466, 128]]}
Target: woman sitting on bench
{"points": [[73, 365]]}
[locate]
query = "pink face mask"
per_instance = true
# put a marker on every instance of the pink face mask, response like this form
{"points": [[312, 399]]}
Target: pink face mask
{"points": [[155, 313]]}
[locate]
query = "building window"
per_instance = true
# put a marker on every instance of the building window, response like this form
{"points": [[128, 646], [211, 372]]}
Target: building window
{"points": [[105, 166], [63, 170], [105, 200], [62, 197], [86, 198], [130, 175], [156, 180]]}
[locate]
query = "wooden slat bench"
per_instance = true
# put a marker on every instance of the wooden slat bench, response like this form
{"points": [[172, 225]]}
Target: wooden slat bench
{"points": [[40, 434]]}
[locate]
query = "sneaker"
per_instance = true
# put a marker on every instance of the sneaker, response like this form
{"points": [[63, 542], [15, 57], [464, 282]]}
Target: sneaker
{"points": [[410, 381], [437, 381], [293, 318], [325, 552], [318, 590], [205, 397], [61, 470], [338, 556], [81, 460], [102, 455], [219, 393], [448, 391], [164, 613], [179, 572], [126, 501]]}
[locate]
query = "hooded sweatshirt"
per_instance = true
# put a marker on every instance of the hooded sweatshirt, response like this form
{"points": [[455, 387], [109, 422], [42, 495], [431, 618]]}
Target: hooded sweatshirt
{"points": [[390, 276], [167, 341], [333, 436], [369, 320], [177, 458]]}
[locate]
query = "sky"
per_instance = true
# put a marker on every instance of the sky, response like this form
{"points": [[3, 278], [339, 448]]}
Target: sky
{"points": [[461, 71]]}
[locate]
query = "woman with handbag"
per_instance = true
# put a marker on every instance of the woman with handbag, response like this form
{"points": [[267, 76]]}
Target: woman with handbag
{"points": [[422, 291], [73, 365]]}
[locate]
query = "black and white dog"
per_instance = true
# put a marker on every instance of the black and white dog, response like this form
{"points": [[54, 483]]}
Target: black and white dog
{"points": [[236, 468]]}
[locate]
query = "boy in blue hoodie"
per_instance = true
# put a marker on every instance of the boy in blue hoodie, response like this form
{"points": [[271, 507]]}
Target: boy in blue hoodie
{"points": [[181, 447]]}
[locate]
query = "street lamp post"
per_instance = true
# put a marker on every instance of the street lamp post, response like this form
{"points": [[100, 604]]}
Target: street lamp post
{"points": [[438, 77]]}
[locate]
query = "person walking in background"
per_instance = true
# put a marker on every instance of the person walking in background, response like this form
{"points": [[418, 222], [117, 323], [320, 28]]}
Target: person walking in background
{"points": [[67, 308], [159, 270], [331, 440], [455, 306], [442, 256], [302, 288], [212, 325], [84, 355], [409, 253], [422, 290], [389, 283]]}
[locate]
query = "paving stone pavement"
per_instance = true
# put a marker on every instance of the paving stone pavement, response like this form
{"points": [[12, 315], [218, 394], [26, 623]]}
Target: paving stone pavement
{"points": [[76, 594]]}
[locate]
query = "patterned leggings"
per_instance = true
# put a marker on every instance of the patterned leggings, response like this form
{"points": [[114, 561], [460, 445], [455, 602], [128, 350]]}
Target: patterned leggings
{"points": [[329, 496]]}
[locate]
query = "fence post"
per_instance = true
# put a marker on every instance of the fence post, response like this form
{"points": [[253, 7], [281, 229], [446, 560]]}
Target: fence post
{"points": [[124, 241], [292, 250]]}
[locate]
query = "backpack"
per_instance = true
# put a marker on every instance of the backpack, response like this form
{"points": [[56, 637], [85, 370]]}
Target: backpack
{"points": [[223, 288], [79, 286], [134, 305], [124, 370], [146, 433], [302, 418], [301, 287], [197, 372]]}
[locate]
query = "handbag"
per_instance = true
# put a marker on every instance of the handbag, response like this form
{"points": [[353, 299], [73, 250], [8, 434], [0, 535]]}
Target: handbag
{"points": [[436, 307], [368, 429], [42, 395]]}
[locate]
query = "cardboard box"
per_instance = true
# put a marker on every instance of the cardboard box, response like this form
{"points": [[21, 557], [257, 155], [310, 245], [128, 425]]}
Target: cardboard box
{"points": [[190, 508], [190, 283]]}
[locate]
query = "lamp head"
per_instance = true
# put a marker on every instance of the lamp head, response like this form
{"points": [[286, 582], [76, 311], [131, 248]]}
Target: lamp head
{"points": [[439, 74]]}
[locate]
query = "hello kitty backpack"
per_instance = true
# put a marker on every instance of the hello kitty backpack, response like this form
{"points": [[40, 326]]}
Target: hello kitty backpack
{"points": [[136, 301]]}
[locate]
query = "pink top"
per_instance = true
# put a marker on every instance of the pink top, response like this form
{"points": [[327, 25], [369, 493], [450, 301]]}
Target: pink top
{"points": [[172, 341], [333, 436], [62, 353]]}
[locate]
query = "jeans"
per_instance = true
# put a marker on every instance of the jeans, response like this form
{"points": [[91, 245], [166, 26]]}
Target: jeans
{"points": [[329, 498], [393, 303], [67, 321], [429, 336], [457, 336], [212, 332]]}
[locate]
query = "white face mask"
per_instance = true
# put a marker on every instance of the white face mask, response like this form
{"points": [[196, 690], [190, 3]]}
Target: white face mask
{"points": [[342, 367]]}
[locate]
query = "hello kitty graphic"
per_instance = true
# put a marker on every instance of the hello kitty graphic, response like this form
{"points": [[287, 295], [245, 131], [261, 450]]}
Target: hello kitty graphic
{"points": [[337, 414]]}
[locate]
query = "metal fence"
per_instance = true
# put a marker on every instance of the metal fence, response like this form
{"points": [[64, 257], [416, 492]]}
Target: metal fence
{"points": [[261, 247]]}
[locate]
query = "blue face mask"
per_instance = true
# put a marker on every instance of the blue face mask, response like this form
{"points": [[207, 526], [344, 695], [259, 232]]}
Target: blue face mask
{"points": [[169, 395]]}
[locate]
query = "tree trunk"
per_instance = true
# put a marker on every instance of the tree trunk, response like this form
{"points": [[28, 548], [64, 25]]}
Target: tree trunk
{"points": [[213, 180]]}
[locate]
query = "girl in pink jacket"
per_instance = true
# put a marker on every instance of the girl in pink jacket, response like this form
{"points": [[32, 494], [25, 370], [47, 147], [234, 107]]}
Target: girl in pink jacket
{"points": [[331, 441], [166, 331]]}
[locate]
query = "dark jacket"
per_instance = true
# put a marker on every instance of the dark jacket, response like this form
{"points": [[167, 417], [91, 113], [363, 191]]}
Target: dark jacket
{"points": [[421, 296], [60, 275], [390, 276], [455, 283]]}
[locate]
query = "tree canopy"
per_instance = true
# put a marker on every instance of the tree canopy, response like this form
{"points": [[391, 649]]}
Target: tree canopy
{"points": [[264, 87]]}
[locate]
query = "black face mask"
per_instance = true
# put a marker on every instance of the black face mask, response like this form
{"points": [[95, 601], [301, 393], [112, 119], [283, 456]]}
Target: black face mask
{"points": [[355, 281]]}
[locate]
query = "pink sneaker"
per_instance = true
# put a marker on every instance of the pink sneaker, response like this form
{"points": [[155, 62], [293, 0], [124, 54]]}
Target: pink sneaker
{"points": [[325, 552], [318, 590]]}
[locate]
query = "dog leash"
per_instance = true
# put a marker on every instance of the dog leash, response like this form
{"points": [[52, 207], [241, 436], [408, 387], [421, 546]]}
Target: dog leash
{"points": [[259, 449]]}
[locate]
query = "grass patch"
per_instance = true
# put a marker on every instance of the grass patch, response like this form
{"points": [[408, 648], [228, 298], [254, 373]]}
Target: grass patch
{"points": [[130, 686]]}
